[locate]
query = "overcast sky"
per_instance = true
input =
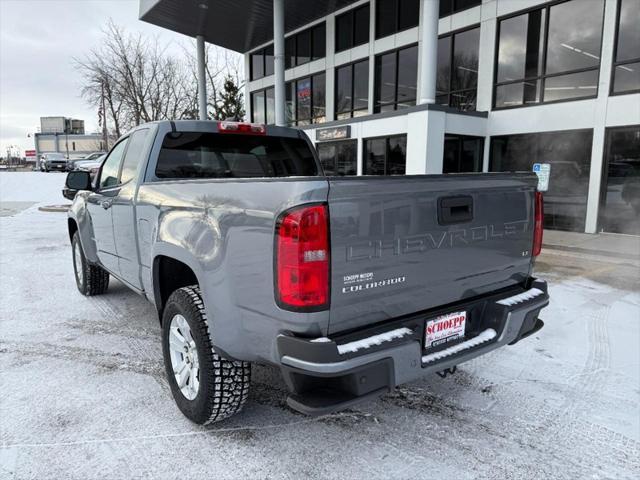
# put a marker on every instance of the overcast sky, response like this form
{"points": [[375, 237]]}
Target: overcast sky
{"points": [[38, 40]]}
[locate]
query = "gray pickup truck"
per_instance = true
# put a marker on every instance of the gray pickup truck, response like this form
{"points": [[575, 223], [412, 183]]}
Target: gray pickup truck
{"points": [[349, 285]]}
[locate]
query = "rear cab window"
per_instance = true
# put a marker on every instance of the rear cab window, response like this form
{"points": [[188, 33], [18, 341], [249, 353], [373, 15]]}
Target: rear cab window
{"points": [[224, 155]]}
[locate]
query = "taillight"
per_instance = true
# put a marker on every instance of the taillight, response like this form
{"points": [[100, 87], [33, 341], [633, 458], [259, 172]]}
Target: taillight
{"points": [[538, 224], [302, 258], [246, 128]]}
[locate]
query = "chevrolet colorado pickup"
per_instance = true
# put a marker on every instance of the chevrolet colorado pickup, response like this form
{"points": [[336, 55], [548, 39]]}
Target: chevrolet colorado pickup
{"points": [[349, 285]]}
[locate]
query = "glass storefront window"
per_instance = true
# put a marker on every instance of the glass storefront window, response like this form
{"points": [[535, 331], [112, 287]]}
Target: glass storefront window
{"points": [[626, 69], [305, 100], [568, 153], [263, 106], [396, 78], [385, 156], [393, 16], [305, 46], [462, 153], [338, 158], [561, 64], [352, 28], [620, 199], [352, 89], [257, 107], [457, 74]]}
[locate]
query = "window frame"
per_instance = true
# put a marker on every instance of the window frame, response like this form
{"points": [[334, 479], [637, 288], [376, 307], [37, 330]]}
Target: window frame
{"points": [[291, 61], [542, 77], [615, 63], [98, 179], [262, 52], [396, 21], [352, 17], [604, 174], [460, 139], [352, 141], [264, 101], [396, 52], [386, 138], [452, 35], [146, 131], [351, 111], [312, 119]]}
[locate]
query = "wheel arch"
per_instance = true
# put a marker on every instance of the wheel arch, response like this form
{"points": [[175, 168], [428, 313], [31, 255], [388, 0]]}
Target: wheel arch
{"points": [[169, 274]]}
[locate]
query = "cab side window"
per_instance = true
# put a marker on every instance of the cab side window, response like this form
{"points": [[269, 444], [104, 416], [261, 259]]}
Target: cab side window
{"points": [[111, 166], [132, 159]]}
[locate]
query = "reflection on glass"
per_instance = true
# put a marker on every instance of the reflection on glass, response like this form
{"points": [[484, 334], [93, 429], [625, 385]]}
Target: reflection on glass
{"points": [[375, 156], [462, 154], [575, 33], [627, 78], [268, 60], [352, 89], [271, 106], [628, 47], [526, 58], [457, 73], [338, 158], [385, 79], [568, 153], [407, 76], [514, 94], [443, 76], [397, 156], [318, 98], [465, 60], [620, 209], [385, 156], [575, 85], [343, 89], [257, 107], [361, 85]]}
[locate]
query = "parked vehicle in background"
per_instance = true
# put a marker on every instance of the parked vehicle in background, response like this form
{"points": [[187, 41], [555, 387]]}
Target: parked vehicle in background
{"points": [[91, 166], [350, 285], [54, 161], [72, 164]]}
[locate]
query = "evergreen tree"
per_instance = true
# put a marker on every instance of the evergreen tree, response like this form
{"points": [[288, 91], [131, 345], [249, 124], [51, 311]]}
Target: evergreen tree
{"points": [[230, 104]]}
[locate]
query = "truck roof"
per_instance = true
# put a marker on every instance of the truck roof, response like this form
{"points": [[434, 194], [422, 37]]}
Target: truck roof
{"points": [[212, 126]]}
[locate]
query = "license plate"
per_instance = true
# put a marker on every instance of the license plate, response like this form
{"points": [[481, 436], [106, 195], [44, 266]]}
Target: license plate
{"points": [[445, 329]]}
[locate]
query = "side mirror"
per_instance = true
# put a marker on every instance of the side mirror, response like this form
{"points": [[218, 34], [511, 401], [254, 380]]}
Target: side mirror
{"points": [[79, 180]]}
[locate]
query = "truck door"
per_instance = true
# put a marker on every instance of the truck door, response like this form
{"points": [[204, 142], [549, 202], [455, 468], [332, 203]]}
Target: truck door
{"points": [[124, 221], [99, 205]]}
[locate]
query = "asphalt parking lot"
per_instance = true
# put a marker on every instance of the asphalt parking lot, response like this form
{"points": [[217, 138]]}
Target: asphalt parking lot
{"points": [[83, 393]]}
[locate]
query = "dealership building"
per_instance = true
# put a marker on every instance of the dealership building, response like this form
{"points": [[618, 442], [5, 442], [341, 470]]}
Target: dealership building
{"points": [[385, 87]]}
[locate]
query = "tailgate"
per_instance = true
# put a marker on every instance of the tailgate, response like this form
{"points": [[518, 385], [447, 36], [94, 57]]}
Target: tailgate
{"points": [[404, 244]]}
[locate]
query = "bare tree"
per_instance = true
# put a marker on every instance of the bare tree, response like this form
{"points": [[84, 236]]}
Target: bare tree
{"points": [[139, 81]]}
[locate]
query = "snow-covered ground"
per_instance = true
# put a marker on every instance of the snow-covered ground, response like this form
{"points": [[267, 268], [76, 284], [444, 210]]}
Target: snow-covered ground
{"points": [[83, 393]]}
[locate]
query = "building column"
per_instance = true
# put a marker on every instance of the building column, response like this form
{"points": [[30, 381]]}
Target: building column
{"points": [[202, 83], [428, 51], [278, 61], [600, 124]]}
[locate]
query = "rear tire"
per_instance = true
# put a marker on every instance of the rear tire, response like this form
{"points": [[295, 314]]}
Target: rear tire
{"points": [[90, 279], [215, 388]]}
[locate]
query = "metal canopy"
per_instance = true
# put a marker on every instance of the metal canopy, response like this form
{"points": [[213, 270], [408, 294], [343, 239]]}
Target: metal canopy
{"points": [[239, 25]]}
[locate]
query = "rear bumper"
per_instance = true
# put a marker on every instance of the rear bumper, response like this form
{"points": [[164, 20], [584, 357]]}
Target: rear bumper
{"points": [[326, 375]]}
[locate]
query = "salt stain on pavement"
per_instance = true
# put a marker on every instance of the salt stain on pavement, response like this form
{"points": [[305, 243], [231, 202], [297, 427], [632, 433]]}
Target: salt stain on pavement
{"points": [[83, 395]]}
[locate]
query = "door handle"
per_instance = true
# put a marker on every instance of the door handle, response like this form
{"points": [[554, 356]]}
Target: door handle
{"points": [[106, 204], [457, 209]]}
